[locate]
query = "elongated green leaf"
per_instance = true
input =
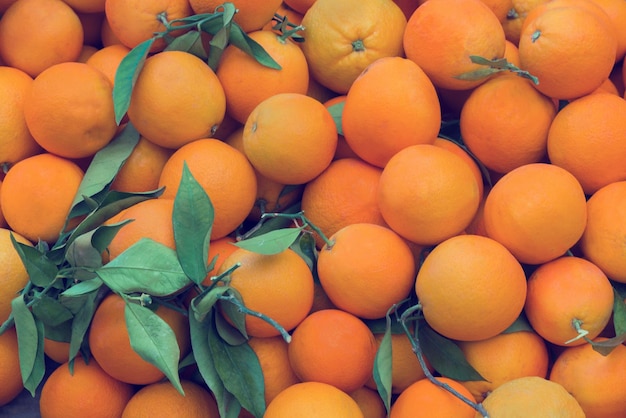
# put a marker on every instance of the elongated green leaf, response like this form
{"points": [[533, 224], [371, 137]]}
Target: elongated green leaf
{"points": [[126, 76], [154, 340], [104, 234], [382, 367], [230, 334], [619, 313], [81, 322], [204, 303], [145, 267], [272, 242], [40, 269], [30, 333], [50, 311], [241, 40], [81, 253], [189, 42], [336, 112], [230, 307], [80, 289], [192, 220]]}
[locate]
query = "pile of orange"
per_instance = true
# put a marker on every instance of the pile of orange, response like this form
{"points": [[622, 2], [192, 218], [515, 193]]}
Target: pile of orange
{"points": [[462, 159]]}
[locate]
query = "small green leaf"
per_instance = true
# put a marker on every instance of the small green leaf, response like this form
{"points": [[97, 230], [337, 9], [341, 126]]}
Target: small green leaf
{"points": [[104, 234], [305, 247], [50, 311], [382, 367], [81, 322], [231, 310], [230, 334], [40, 269], [336, 112], [189, 42], [619, 313], [80, 289], [203, 304], [241, 40], [605, 347], [30, 334], [272, 242], [478, 74], [81, 253]]}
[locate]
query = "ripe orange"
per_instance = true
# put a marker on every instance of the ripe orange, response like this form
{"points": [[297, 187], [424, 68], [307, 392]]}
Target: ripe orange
{"points": [[14, 276], [500, 8], [279, 286], [441, 35], [584, 140], [425, 399], [109, 341], [313, 400], [290, 138], [515, 18], [88, 388], [10, 372], [162, 399], [59, 40], [471, 161], [342, 38], [470, 288], [538, 211], [427, 194], [616, 11], [403, 111], [57, 351], [107, 37], [226, 175], [37, 193], [300, 6], [370, 402], [251, 14], [107, 59], [366, 269], [69, 110], [334, 347]]}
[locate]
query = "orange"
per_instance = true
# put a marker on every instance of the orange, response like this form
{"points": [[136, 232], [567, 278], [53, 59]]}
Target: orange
{"points": [[551, 50], [616, 11], [313, 400], [107, 59], [86, 52], [251, 14], [441, 36], [57, 351], [511, 53], [343, 149], [343, 194], [17, 142], [366, 269], [10, 372], [300, 6], [532, 396], [69, 110], [107, 36], [470, 288], [280, 286], [88, 388], [86, 6], [607, 87], [247, 83], [37, 194], [462, 151], [109, 341], [425, 399], [515, 18], [497, 133], [370, 402], [538, 211], [604, 235], [342, 38], [404, 110], [334, 347], [273, 356], [500, 8], [427, 194], [290, 138], [59, 40], [594, 379], [161, 399], [565, 290], [224, 173], [175, 120], [136, 21], [504, 357], [584, 140]]}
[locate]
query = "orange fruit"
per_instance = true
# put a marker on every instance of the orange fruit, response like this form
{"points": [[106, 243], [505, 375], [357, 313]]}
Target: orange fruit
{"points": [[462, 151], [69, 110], [500, 8], [616, 11], [88, 387], [86, 52], [366, 269], [279, 286], [57, 351], [565, 290], [441, 35], [515, 18], [17, 142], [531, 396], [425, 399], [162, 399], [226, 175], [404, 111], [343, 194], [175, 120], [334, 347], [343, 149], [300, 6], [342, 38], [133, 22], [251, 14], [370, 402], [107, 36], [504, 357], [538, 211], [247, 83], [427, 194], [290, 138], [14, 276], [37, 194], [109, 341], [511, 53], [86, 6], [10, 372], [602, 240], [595, 380], [312, 400], [470, 288], [551, 50], [584, 140], [107, 59], [497, 133], [607, 87], [59, 40]]}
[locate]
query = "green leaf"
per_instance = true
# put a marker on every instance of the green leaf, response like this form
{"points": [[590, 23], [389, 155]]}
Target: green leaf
{"points": [[232, 311], [230, 334], [154, 340], [272, 242], [241, 40], [520, 324], [336, 112], [50, 311], [81, 289], [189, 42], [305, 247], [81, 322], [40, 269], [203, 304], [192, 220], [126, 76], [619, 313], [145, 267], [30, 334], [382, 367], [104, 234], [81, 253]]}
